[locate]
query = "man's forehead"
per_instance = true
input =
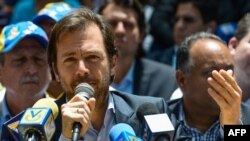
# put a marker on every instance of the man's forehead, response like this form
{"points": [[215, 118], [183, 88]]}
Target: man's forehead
{"points": [[116, 11], [29, 44], [210, 50], [29, 41], [209, 45]]}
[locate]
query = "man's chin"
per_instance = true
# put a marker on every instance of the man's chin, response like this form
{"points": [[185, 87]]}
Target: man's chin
{"points": [[120, 44]]}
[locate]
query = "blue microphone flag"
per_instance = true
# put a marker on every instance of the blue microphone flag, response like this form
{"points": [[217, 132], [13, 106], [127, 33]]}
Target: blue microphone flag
{"points": [[39, 120]]}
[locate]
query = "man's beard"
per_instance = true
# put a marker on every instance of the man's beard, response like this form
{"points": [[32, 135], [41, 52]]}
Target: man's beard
{"points": [[101, 89], [102, 92]]}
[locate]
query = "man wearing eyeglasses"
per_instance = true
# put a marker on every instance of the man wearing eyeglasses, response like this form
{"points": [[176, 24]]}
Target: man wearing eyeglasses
{"points": [[191, 16], [194, 16]]}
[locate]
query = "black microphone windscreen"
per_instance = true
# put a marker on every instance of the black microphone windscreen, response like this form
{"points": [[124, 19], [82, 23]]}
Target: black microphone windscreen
{"points": [[146, 109], [85, 90], [162, 137]]}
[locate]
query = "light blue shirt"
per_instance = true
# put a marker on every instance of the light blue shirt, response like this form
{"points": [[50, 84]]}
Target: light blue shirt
{"points": [[103, 135], [127, 83], [248, 101], [5, 114]]}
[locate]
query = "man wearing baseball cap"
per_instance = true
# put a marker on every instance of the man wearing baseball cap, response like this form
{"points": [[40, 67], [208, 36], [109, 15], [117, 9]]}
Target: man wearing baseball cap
{"points": [[51, 14], [24, 70], [46, 19]]}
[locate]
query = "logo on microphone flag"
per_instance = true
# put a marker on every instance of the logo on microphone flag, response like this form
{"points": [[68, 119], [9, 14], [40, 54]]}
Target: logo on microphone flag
{"points": [[39, 120], [35, 115]]}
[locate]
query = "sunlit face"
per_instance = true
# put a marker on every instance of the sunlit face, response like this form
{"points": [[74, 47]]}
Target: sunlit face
{"points": [[126, 29], [188, 20], [206, 55], [242, 59], [81, 57], [25, 71]]}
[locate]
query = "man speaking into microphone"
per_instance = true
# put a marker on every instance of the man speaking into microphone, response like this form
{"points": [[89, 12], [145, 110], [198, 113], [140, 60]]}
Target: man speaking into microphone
{"points": [[81, 51]]}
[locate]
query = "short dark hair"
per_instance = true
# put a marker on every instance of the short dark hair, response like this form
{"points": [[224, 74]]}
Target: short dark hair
{"points": [[207, 8], [138, 8], [243, 27], [132, 4], [80, 19], [183, 62]]}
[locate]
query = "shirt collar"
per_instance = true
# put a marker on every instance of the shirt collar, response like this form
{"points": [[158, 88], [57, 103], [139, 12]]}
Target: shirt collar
{"points": [[93, 134], [130, 73], [111, 105], [5, 109], [126, 84]]}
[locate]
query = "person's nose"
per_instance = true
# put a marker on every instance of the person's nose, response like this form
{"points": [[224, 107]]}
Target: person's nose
{"points": [[82, 68], [179, 24], [120, 28], [31, 67]]}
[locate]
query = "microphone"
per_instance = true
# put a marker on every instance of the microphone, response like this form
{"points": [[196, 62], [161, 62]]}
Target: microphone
{"points": [[85, 90], [123, 132], [37, 123], [156, 126], [162, 137]]}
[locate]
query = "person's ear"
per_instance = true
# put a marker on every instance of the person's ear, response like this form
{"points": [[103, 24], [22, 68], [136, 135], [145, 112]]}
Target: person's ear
{"points": [[180, 78], [55, 72], [232, 44], [113, 65]]}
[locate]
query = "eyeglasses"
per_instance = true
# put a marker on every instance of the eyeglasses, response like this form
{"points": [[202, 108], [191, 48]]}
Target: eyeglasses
{"points": [[186, 19]]}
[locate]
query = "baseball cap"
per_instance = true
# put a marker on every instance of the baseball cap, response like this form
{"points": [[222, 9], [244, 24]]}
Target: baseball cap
{"points": [[13, 33], [55, 11]]}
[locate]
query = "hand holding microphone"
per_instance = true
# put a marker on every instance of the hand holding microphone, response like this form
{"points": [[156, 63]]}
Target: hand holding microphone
{"points": [[76, 114]]}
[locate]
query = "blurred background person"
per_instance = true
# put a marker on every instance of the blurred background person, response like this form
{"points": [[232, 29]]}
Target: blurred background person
{"points": [[191, 16], [24, 70], [229, 13], [6, 8], [134, 73]]}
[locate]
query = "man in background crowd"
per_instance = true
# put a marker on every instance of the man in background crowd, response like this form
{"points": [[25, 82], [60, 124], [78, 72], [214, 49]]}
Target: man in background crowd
{"points": [[240, 49], [211, 95], [24, 71], [135, 74]]}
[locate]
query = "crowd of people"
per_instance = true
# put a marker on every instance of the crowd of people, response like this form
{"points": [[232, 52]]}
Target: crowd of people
{"points": [[196, 71]]}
